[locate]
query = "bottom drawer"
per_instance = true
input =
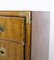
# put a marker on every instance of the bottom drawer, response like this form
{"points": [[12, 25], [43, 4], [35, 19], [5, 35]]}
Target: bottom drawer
{"points": [[11, 51]]}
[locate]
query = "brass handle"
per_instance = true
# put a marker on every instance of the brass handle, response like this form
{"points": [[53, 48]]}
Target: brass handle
{"points": [[2, 51]]}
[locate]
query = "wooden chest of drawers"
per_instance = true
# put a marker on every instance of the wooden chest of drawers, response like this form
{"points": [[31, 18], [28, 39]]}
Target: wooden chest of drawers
{"points": [[15, 35]]}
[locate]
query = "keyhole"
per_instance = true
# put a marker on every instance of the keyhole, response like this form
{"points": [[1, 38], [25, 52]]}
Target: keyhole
{"points": [[1, 28], [2, 52]]}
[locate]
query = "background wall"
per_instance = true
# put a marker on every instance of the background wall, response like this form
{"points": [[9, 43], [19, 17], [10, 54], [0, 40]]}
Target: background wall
{"points": [[51, 41], [40, 35]]}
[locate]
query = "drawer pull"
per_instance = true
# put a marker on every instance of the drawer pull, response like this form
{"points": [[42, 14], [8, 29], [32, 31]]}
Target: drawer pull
{"points": [[2, 51]]}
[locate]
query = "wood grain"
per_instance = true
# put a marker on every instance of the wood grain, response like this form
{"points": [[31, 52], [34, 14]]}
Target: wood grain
{"points": [[13, 29], [14, 51], [17, 32], [28, 46]]}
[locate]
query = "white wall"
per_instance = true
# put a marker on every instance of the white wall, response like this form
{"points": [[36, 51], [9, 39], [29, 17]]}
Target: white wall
{"points": [[51, 41]]}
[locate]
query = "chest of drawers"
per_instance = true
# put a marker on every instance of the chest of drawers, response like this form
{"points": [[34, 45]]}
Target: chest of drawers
{"points": [[15, 35]]}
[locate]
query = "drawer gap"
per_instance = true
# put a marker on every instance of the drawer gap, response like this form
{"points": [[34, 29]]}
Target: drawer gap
{"points": [[22, 43]]}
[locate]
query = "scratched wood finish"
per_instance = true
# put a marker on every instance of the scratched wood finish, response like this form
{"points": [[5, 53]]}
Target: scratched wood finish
{"points": [[14, 51]]}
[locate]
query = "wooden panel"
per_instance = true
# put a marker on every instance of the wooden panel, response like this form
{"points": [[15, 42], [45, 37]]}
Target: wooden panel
{"points": [[26, 14], [13, 28], [28, 37], [13, 51]]}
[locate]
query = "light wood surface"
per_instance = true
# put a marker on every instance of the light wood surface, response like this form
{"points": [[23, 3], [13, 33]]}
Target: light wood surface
{"points": [[28, 46], [14, 31], [14, 51]]}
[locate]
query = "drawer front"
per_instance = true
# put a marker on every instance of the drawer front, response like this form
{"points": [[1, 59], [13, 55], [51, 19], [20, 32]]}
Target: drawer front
{"points": [[12, 28], [11, 51]]}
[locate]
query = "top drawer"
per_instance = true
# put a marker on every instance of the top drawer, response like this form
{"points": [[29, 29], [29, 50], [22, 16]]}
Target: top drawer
{"points": [[12, 28]]}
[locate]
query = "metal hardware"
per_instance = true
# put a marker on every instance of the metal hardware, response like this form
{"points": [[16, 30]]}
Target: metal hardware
{"points": [[2, 51], [1, 28], [28, 17]]}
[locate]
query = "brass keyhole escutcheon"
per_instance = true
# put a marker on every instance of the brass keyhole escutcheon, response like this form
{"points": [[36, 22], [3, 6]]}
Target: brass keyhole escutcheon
{"points": [[2, 51]]}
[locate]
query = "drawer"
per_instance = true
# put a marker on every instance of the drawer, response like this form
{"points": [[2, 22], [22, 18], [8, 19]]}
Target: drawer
{"points": [[11, 51], [12, 28]]}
